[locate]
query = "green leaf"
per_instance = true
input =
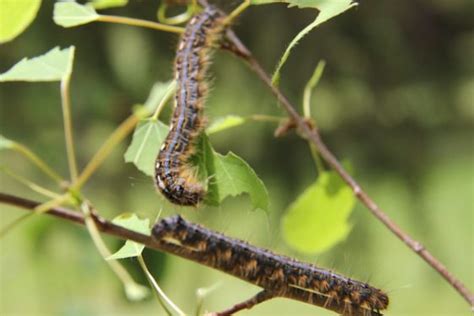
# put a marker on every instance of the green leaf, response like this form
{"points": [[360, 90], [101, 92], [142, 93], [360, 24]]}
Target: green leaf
{"points": [[131, 248], [157, 93], [227, 175], [225, 122], [69, 14], [146, 143], [52, 66], [5, 143], [314, 4], [234, 176], [318, 219], [105, 4], [327, 10], [16, 16], [230, 175]]}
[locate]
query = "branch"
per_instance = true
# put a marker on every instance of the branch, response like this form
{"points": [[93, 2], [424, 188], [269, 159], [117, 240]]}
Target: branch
{"points": [[239, 49], [257, 266], [258, 298]]}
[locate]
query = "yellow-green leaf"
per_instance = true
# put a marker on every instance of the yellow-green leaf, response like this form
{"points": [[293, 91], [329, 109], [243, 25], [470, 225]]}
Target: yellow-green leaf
{"points": [[16, 16], [146, 142], [229, 175], [54, 65], [131, 248], [327, 10], [69, 14], [318, 219], [223, 123], [234, 176]]}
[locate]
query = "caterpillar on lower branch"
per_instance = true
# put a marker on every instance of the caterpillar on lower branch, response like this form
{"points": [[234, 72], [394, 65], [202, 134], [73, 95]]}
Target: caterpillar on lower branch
{"points": [[174, 177], [280, 275]]}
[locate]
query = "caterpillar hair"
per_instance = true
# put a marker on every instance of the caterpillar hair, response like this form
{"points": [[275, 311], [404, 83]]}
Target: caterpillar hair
{"points": [[174, 176], [280, 275]]}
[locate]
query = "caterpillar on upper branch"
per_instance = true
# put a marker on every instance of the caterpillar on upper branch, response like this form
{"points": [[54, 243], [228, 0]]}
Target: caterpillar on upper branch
{"points": [[174, 176]]}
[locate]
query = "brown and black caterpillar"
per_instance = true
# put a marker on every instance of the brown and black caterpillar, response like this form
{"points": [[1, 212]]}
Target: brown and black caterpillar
{"points": [[282, 276], [173, 175]]}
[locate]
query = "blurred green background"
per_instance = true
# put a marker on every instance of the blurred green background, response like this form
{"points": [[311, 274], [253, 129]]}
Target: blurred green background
{"points": [[396, 100]]}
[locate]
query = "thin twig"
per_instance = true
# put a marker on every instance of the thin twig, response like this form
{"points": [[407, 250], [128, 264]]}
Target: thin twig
{"points": [[237, 11], [133, 290], [310, 85], [57, 201], [170, 90], [10, 226], [122, 131], [30, 184], [141, 23], [308, 89], [160, 294], [67, 121], [43, 166], [247, 304], [240, 50]]}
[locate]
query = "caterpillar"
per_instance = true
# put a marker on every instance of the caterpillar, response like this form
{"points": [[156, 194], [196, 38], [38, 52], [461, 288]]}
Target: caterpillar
{"points": [[174, 177], [282, 276]]}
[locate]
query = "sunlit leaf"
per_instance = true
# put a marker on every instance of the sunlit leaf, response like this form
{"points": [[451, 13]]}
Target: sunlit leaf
{"points": [[146, 142], [69, 14], [5, 143], [227, 175], [327, 10], [318, 219], [16, 16], [234, 176], [230, 175], [330, 6], [131, 248], [52, 66], [225, 122], [106, 4]]}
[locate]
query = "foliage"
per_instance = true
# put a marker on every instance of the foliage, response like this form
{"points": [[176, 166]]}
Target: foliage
{"points": [[327, 10], [131, 248], [15, 17], [222, 123], [229, 175], [225, 175], [145, 145], [70, 14], [317, 219], [54, 65]]}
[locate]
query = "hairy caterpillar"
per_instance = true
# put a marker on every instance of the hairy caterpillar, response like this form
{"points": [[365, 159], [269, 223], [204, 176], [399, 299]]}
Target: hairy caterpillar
{"points": [[283, 276], [173, 175]]}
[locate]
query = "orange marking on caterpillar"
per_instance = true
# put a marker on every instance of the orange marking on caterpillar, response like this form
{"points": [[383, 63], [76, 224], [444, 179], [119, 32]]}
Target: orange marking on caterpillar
{"points": [[280, 275]]}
